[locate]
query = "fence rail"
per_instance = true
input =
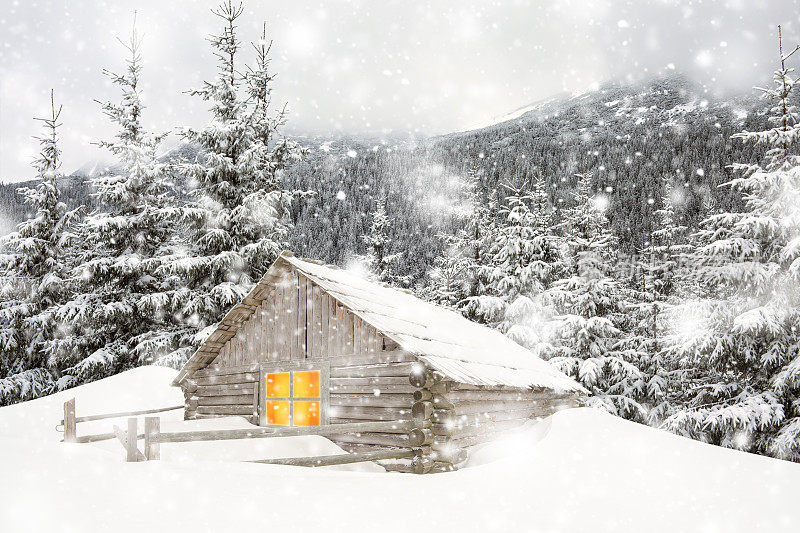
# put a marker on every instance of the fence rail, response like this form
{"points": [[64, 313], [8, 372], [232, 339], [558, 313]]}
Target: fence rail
{"points": [[153, 437], [70, 421]]}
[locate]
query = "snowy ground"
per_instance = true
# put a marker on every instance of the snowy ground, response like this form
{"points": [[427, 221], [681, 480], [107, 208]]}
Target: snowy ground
{"points": [[579, 470]]}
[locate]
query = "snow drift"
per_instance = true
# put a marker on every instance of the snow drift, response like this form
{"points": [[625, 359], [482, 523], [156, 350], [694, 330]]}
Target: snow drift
{"points": [[581, 469]]}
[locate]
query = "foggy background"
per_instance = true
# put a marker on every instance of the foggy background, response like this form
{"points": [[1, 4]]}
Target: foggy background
{"points": [[368, 67]]}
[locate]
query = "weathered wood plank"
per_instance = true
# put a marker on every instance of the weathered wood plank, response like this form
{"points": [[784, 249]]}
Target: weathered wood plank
{"points": [[370, 413], [152, 426], [371, 381], [238, 399], [376, 390], [341, 459], [311, 348], [226, 390], [69, 421], [472, 395], [224, 371], [301, 315], [381, 370], [394, 356], [372, 438], [225, 409], [370, 400], [246, 377], [262, 432]]}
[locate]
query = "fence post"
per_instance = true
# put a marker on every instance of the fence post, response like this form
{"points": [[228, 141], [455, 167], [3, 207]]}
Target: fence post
{"points": [[70, 430], [152, 448], [130, 441]]}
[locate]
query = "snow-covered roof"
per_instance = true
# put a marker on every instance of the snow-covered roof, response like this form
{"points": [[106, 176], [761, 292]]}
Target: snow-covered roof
{"points": [[460, 349]]}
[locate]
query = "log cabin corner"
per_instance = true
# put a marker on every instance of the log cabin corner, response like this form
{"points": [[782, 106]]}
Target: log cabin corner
{"points": [[312, 344]]}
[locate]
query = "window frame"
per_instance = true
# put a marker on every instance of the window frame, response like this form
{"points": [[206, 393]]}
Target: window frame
{"points": [[323, 367]]}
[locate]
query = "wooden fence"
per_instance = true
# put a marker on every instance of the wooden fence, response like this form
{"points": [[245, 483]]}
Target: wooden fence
{"points": [[70, 421], [153, 437]]}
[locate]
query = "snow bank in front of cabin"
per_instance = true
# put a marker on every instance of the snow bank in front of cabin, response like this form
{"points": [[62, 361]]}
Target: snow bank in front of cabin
{"points": [[578, 470]]}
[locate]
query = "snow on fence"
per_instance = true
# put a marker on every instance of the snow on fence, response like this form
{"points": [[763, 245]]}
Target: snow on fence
{"points": [[153, 437]]}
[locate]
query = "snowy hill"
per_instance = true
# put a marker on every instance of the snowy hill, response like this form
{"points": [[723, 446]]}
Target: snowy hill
{"points": [[578, 470]]}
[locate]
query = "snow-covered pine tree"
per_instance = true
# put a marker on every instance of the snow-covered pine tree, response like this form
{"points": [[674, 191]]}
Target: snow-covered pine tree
{"points": [[746, 344], [648, 323], [587, 343], [33, 272], [239, 221], [525, 261], [120, 311], [379, 260], [458, 275]]}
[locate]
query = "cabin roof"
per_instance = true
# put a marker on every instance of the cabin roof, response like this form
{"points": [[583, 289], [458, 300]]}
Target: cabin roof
{"points": [[462, 350]]}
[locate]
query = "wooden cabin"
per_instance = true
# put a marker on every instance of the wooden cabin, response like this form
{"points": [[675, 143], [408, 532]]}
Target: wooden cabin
{"points": [[313, 344]]}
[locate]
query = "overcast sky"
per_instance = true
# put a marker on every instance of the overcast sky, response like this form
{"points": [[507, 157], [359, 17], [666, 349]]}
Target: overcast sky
{"points": [[369, 66]]}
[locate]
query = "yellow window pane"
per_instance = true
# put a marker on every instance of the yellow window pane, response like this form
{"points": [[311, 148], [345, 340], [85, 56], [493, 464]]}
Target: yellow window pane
{"points": [[278, 385], [306, 384], [278, 412], [306, 413]]}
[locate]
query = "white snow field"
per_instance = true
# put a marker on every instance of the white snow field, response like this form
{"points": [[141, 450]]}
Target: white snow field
{"points": [[579, 470]]}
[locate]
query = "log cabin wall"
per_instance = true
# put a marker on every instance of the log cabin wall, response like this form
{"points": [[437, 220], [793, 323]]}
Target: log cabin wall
{"points": [[296, 321], [461, 416]]}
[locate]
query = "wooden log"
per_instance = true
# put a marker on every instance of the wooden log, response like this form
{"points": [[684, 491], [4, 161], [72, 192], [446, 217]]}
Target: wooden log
{"points": [[122, 437], [376, 390], [382, 439], [466, 442], [457, 432], [70, 422], [422, 410], [398, 430], [239, 399], [402, 468], [440, 467], [152, 448], [225, 409], [394, 356], [421, 395], [127, 413], [420, 436], [384, 400], [248, 377], [381, 370], [133, 453], [226, 370], [360, 448], [442, 387], [188, 386], [226, 390], [484, 395], [341, 459], [102, 436], [473, 407], [441, 402], [452, 455], [370, 413], [449, 416], [369, 381], [266, 432], [422, 465], [421, 377]]}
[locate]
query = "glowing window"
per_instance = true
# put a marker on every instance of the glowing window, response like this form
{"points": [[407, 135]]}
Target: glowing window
{"points": [[278, 412], [306, 384], [306, 413], [293, 398], [278, 385]]}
